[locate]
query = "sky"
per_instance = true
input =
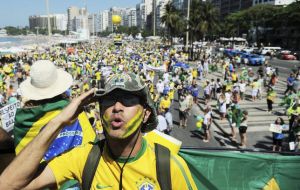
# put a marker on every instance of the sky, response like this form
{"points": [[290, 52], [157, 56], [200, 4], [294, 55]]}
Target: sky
{"points": [[17, 12]]}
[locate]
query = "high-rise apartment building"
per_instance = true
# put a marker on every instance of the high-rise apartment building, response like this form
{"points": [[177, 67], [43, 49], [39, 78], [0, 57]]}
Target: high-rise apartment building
{"points": [[57, 21], [144, 11], [140, 15], [92, 22], [103, 20], [72, 13], [61, 21], [160, 11], [130, 18]]}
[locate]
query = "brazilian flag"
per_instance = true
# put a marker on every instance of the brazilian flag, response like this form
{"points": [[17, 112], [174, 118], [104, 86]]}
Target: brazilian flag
{"points": [[228, 170], [30, 121]]}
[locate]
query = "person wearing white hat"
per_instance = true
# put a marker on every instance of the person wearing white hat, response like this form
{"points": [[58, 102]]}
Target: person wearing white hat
{"points": [[45, 94], [45, 81]]}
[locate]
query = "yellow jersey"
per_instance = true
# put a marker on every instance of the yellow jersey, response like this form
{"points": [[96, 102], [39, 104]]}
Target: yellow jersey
{"points": [[165, 103], [139, 172], [194, 73], [85, 87], [98, 75]]}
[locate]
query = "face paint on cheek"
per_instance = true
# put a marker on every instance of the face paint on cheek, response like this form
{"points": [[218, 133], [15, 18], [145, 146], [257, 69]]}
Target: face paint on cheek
{"points": [[133, 124], [106, 124]]}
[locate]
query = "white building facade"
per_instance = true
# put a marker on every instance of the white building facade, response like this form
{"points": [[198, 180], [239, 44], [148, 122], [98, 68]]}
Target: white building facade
{"points": [[72, 12], [160, 11], [273, 2], [130, 18], [103, 20], [57, 22]]}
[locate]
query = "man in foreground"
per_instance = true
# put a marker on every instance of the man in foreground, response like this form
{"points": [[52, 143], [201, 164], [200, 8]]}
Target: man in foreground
{"points": [[127, 161]]}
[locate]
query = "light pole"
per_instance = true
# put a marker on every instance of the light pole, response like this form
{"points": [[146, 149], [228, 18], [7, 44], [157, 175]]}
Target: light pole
{"points": [[187, 26], [49, 25], [154, 17]]}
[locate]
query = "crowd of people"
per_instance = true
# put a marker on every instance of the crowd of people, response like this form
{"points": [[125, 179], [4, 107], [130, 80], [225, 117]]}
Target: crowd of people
{"points": [[166, 79], [138, 86]]}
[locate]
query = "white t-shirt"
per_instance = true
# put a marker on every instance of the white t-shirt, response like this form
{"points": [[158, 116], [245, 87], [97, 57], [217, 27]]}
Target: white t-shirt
{"points": [[207, 118], [227, 98], [166, 77], [162, 123], [242, 87], [160, 87]]}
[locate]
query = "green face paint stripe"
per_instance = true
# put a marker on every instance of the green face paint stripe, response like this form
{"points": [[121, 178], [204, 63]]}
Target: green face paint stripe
{"points": [[133, 128], [183, 173], [133, 124], [133, 120]]}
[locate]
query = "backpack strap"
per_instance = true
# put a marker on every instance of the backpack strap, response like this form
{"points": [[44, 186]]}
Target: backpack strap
{"points": [[91, 164], [163, 173]]}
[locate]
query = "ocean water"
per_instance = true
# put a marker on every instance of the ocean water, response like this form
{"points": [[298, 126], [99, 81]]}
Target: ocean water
{"points": [[11, 41]]}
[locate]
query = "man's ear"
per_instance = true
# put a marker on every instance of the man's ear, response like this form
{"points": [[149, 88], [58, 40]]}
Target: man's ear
{"points": [[147, 113]]}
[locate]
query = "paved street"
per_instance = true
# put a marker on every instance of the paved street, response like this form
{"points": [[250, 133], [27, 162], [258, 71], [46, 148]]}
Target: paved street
{"points": [[258, 135]]}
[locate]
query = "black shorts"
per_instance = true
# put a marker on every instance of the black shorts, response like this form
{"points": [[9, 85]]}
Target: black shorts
{"points": [[182, 115], [242, 129], [205, 127], [277, 142]]}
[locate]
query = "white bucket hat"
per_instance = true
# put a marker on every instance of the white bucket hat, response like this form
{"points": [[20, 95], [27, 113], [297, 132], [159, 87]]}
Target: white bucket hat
{"points": [[45, 81]]}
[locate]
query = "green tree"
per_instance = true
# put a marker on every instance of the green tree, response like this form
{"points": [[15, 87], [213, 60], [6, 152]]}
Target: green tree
{"points": [[203, 21], [172, 19]]}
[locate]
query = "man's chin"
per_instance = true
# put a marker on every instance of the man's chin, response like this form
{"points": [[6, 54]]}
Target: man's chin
{"points": [[120, 135]]}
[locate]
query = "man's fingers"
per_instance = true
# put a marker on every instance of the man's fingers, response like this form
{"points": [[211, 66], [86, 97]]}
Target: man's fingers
{"points": [[87, 94]]}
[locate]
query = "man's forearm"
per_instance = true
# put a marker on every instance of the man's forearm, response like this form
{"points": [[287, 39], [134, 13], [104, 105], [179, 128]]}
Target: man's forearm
{"points": [[24, 167]]}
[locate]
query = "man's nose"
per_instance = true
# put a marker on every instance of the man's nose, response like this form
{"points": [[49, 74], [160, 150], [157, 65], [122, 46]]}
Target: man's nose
{"points": [[118, 106]]}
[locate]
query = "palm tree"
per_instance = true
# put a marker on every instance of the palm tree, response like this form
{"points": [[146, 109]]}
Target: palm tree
{"points": [[203, 20], [172, 20]]}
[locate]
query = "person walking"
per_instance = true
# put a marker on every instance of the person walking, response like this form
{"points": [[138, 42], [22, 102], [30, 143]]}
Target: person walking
{"points": [[184, 107], [206, 124], [243, 129], [271, 95], [289, 83]]}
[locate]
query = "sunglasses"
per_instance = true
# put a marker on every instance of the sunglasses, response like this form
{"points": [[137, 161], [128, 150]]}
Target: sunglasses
{"points": [[127, 100]]}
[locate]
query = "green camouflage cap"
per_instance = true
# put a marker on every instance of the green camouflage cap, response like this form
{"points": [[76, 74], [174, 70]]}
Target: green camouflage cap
{"points": [[132, 83]]}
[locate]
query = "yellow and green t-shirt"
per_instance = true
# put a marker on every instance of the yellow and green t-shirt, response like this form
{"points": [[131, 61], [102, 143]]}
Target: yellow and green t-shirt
{"points": [[139, 171]]}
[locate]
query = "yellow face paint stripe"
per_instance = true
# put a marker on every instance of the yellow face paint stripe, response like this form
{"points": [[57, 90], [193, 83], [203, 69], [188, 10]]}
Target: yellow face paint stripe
{"points": [[134, 123], [106, 119], [35, 129]]}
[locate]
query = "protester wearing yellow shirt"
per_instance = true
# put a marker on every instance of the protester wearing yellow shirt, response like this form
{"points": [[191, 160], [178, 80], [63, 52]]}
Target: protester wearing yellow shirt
{"points": [[171, 95], [165, 102], [194, 73], [234, 77], [85, 87], [98, 75]]}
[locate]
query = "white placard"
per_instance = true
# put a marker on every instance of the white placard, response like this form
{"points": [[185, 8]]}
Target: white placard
{"points": [[275, 128], [7, 114]]}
